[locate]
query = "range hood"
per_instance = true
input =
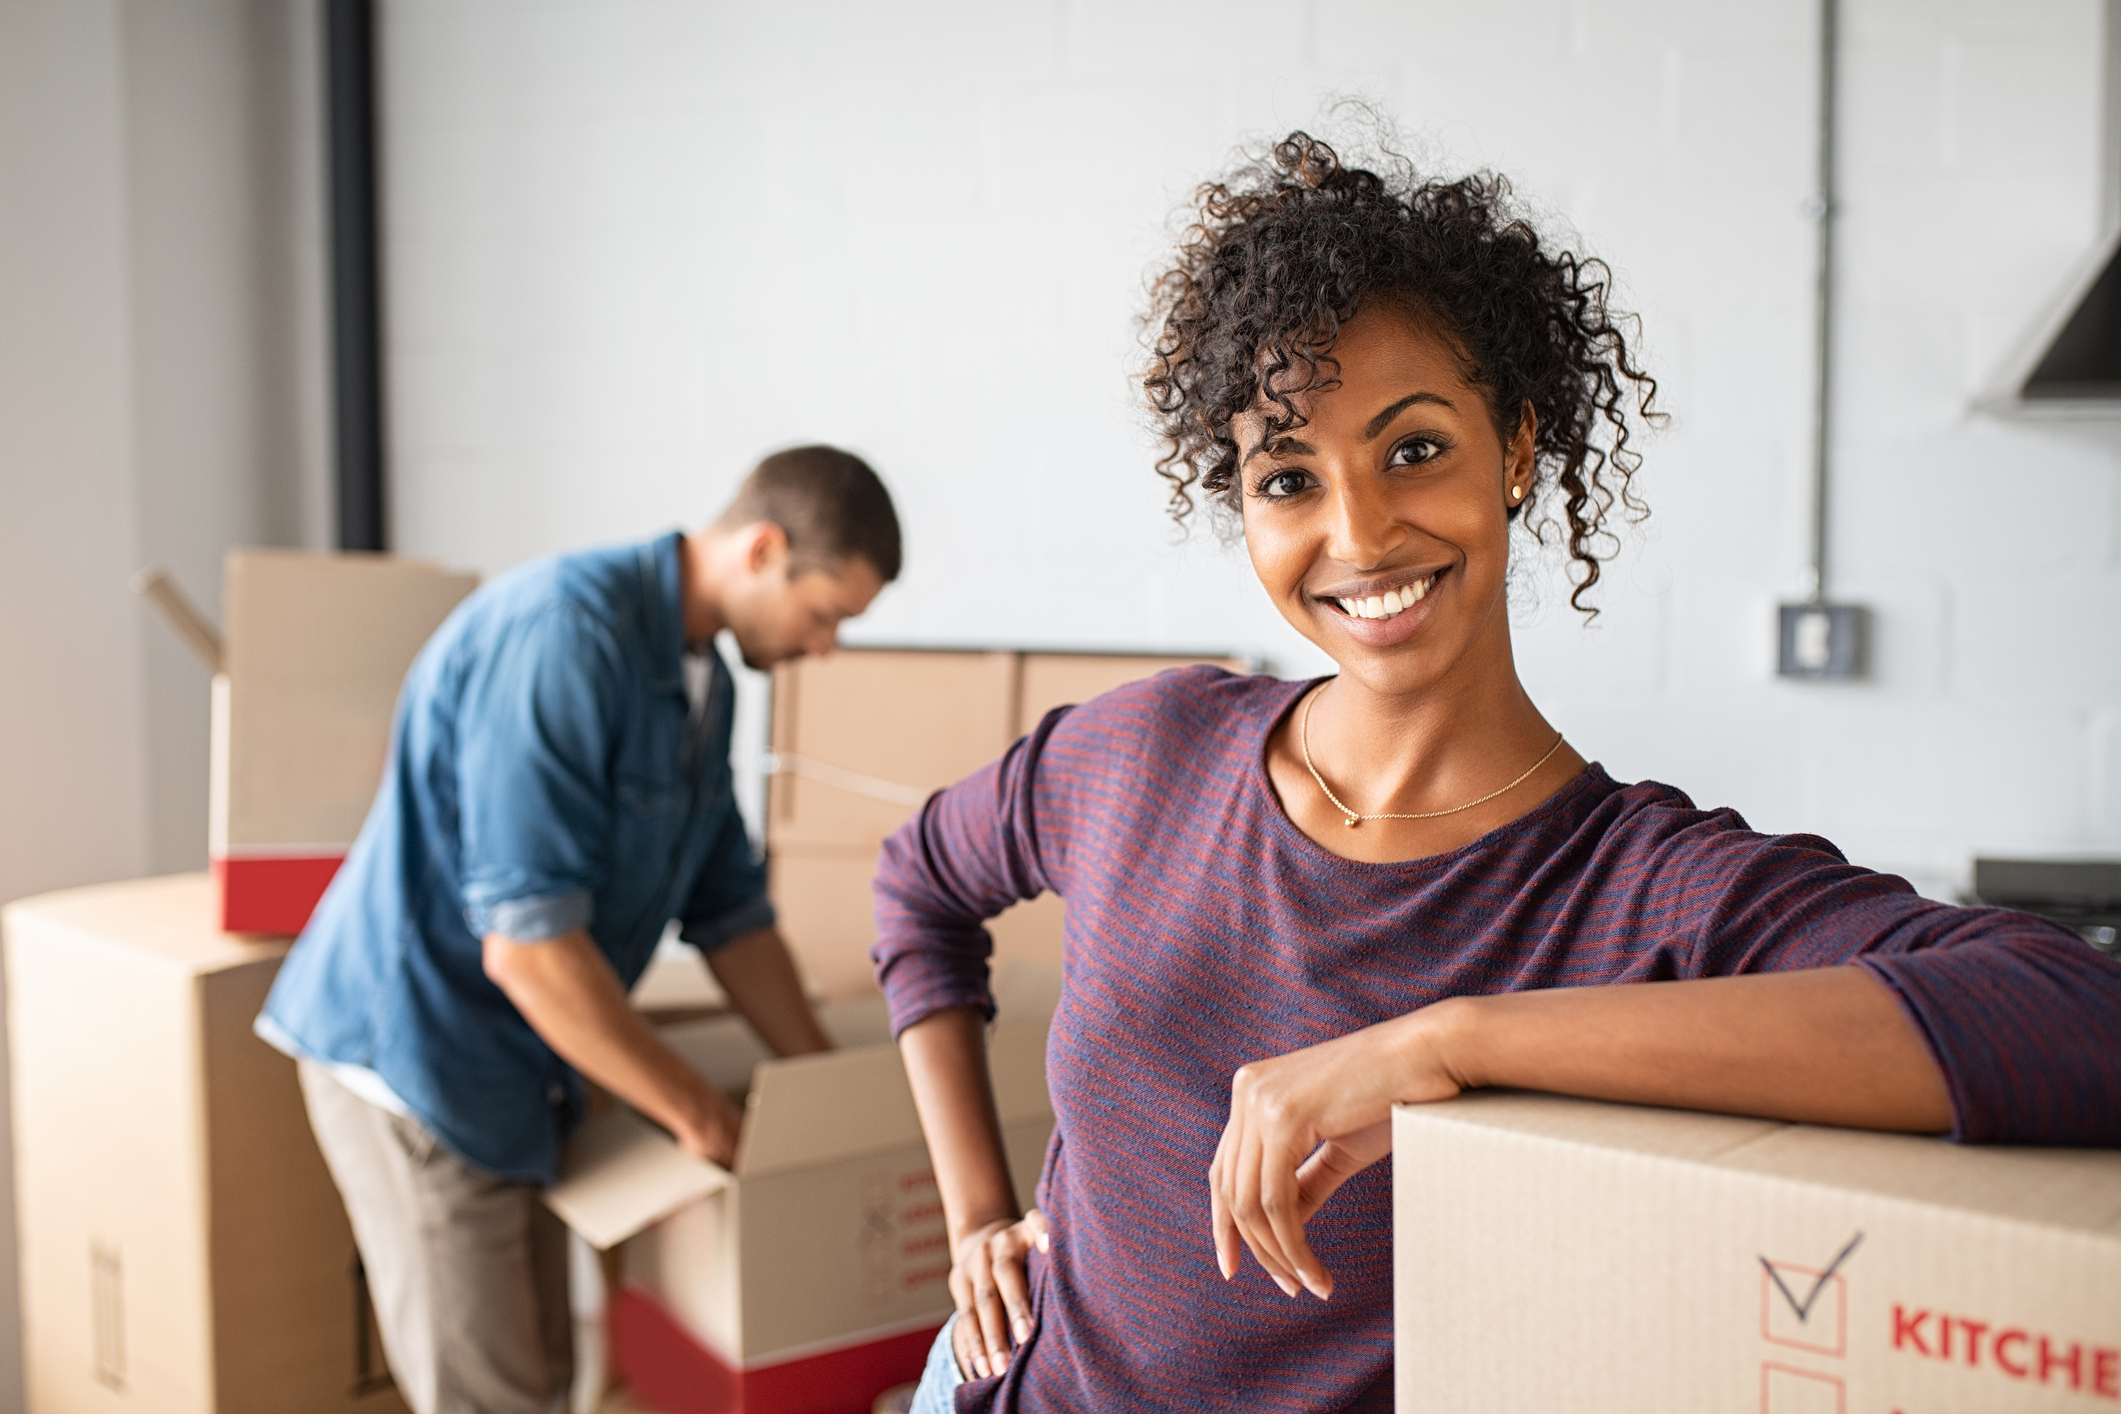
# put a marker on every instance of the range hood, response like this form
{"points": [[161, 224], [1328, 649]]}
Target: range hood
{"points": [[2068, 364]]}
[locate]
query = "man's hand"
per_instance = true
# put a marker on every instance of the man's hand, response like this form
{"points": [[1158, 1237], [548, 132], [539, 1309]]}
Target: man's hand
{"points": [[568, 993]]}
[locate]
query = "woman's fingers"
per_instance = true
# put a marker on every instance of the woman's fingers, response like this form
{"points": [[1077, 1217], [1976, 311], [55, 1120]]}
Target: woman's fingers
{"points": [[1249, 1206], [1282, 1205], [993, 1320], [1224, 1225], [1007, 1248], [993, 1292]]}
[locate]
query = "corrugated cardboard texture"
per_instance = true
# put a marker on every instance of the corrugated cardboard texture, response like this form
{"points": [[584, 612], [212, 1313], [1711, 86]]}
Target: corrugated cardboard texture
{"points": [[317, 646], [182, 1246], [916, 719], [1562, 1255]]}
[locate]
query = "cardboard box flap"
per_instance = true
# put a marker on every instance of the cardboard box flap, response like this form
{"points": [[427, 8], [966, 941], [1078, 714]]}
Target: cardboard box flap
{"points": [[294, 617], [811, 1109], [621, 1174]]}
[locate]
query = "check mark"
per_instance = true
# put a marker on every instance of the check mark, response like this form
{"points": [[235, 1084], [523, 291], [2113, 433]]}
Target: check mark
{"points": [[1804, 1308]]}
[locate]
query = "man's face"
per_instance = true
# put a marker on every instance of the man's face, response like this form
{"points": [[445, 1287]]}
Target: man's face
{"points": [[778, 615]]}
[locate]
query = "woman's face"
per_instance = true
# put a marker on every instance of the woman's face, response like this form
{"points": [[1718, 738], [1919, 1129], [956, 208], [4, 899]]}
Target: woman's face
{"points": [[1380, 527]]}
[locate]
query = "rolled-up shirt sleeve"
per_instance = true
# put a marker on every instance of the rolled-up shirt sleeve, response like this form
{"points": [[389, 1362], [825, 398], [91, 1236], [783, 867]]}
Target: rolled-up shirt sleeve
{"points": [[533, 785], [2009, 1004], [729, 898], [970, 852]]}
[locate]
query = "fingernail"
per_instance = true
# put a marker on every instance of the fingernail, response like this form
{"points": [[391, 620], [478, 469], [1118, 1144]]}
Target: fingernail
{"points": [[1317, 1288], [1022, 1328], [1288, 1288], [1045, 1244], [979, 1366]]}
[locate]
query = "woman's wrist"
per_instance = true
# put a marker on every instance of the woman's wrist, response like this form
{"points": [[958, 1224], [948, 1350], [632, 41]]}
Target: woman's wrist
{"points": [[1447, 1039], [980, 1222]]}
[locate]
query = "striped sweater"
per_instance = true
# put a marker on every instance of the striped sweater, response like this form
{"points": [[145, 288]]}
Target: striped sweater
{"points": [[1204, 931]]}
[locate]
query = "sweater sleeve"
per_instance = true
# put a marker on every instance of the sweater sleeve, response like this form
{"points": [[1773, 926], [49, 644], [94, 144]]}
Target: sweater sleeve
{"points": [[970, 852], [2022, 1016]]}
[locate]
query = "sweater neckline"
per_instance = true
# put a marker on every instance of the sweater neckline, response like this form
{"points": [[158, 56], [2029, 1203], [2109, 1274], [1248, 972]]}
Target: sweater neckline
{"points": [[1592, 780]]}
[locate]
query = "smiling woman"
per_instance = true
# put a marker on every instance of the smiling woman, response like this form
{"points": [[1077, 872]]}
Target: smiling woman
{"points": [[1291, 905]]}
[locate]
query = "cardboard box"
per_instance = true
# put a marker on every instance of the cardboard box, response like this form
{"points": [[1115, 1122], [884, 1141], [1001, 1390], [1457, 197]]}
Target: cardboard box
{"points": [[861, 738], [314, 650], [813, 1275], [1563, 1255], [182, 1246]]}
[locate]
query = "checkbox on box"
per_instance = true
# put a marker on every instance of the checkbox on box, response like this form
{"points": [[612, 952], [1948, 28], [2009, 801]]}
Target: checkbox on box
{"points": [[1806, 1307], [1785, 1390]]}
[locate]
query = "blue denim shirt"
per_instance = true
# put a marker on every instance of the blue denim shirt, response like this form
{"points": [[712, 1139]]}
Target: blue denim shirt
{"points": [[545, 774]]}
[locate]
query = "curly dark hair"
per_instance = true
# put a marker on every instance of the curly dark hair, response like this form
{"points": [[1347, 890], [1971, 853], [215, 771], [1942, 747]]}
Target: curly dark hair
{"points": [[1288, 248]]}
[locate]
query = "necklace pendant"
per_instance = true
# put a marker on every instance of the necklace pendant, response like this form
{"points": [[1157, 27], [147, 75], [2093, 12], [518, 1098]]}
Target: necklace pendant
{"points": [[1354, 820]]}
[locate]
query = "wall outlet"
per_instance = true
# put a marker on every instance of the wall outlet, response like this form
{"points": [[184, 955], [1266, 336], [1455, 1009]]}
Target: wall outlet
{"points": [[1823, 641]]}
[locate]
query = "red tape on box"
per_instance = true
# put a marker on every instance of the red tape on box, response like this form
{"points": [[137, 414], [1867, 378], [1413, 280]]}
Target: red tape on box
{"points": [[671, 1371]]}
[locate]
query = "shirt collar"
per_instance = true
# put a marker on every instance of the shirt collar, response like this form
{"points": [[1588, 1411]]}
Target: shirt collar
{"points": [[663, 587]]}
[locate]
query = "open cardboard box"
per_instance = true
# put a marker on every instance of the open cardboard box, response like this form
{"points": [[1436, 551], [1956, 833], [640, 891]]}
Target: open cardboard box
{"points": [[1563, 1255], [307, 666], [812, 1274]]}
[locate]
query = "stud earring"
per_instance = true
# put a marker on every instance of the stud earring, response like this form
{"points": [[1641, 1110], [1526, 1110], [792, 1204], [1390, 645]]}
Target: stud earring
{"points": [[1517, 493]]}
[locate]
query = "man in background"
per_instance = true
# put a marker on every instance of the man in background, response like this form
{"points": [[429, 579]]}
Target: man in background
{"points": [[558, 791]]}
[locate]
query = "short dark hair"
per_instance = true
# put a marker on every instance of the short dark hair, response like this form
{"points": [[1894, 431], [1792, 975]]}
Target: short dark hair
{"points": [[1290, 246], [830, 504]]}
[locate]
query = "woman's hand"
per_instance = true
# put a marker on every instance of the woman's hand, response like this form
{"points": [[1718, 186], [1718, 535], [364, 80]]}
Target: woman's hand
{"points": [[1832, 1046], [1303, 1124], [993, 1297]]}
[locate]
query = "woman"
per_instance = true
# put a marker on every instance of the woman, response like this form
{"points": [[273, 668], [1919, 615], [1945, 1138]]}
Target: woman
{"points": [[1292, 904]]}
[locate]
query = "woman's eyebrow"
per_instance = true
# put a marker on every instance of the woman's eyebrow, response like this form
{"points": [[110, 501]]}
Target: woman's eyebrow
{"points": [[1280, 446], [1383, 420]]}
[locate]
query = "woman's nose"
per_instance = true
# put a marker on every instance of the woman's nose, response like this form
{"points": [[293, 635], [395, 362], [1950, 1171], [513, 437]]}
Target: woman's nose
{"points": [[1363, 533]]}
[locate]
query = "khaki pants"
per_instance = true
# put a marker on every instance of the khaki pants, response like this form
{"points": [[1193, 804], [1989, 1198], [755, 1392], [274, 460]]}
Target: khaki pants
{"points": [[468, 1271]]}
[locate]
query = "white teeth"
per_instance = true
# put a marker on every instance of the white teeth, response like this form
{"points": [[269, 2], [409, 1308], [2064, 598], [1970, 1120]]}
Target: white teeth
{"points": [[1388, 604]]}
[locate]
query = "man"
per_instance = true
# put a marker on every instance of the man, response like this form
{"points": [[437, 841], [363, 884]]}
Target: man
{"points": [[558, 790]]}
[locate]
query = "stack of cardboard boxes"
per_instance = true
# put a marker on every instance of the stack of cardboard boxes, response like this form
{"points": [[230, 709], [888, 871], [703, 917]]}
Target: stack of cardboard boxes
{"points": [[860, 738], [183, 1249]]}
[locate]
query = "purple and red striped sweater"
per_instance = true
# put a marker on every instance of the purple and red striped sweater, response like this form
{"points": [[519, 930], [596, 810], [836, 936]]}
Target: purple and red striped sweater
{"points": [[1204, 931]]}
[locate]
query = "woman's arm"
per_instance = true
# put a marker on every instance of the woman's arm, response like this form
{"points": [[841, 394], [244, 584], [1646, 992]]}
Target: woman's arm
{"points": [[946, 1064], [1831, 1046]]}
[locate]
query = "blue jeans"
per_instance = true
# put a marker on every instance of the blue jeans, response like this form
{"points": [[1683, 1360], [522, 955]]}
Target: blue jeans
{"points": [[939, 1381]]}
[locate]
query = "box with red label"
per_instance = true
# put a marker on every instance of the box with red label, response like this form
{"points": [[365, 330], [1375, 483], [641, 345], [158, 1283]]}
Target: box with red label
{"points": [[1560, 1254], [812, 1274], [314, 648]]}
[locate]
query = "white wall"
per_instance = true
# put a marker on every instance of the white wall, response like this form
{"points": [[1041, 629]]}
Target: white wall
{"points": [[160, 400], [634, 243]]}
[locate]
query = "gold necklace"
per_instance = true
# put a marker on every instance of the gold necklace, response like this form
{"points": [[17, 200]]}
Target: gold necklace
{"points": [[1303, 736]]}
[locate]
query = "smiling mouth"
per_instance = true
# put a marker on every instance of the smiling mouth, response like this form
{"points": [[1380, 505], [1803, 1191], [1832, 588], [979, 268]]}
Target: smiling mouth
{"points": [[1390, 604]]}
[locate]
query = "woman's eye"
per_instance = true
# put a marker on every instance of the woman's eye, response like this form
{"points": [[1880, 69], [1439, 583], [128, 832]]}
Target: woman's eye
{"points": [[1283, 484], [1415, 452]]}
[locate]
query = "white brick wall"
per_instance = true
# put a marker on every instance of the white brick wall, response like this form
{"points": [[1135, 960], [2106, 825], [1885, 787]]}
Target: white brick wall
{"points": [[633, 243]]}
